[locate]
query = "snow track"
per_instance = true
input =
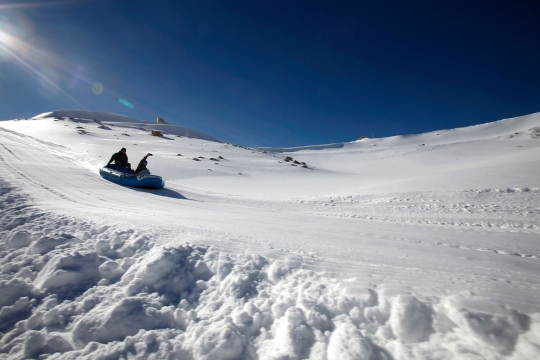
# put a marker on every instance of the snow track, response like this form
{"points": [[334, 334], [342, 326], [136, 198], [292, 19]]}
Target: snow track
{"points": [[90, 269]]}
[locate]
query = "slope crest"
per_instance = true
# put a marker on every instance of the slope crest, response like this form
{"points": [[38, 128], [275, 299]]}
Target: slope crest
{"points": [[88, 115], [126, 121]]}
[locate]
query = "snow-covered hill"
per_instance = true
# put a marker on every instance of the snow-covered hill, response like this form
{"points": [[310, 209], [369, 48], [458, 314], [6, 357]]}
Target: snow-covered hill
{"points": [[409, 247], [88, 115], [122, 121]]}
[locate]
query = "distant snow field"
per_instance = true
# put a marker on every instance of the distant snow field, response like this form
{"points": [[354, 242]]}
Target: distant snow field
{"points": [[410, 247]]}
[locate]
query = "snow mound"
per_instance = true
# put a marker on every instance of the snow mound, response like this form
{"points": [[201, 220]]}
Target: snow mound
{"points": [[87, 115], [126, 122], [104, 292], [506, 128]]}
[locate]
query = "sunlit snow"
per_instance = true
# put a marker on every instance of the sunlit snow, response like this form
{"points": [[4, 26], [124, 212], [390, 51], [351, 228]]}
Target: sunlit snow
{"points": [[409, 247]]}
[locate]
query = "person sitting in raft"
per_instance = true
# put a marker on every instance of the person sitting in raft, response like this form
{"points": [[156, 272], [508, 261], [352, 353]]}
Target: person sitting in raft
{"points": [[120, 160], [141, 168]]}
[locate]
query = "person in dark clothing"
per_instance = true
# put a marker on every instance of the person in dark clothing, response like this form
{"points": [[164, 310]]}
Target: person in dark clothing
{"points": [[142, 165], [120, 160]]}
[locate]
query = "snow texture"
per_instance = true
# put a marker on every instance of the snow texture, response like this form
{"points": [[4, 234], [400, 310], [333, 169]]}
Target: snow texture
{"points": [[92, 270]]}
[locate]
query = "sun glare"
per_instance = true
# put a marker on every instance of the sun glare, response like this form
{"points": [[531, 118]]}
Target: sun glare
{"points": [[22, 44], [38, 4], [5, 39], [7, 42], [11, 31], [17, 45], [6, 34]]}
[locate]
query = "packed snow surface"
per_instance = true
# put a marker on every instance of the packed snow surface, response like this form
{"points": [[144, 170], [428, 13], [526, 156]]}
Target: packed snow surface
{"points": [[409, 247]]}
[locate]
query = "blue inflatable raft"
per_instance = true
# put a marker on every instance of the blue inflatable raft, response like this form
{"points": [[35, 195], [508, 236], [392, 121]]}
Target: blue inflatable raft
{"points": [[129, 178]]}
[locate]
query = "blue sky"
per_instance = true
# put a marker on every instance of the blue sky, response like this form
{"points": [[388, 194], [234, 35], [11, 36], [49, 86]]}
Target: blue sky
{"points": [[275, 73]]}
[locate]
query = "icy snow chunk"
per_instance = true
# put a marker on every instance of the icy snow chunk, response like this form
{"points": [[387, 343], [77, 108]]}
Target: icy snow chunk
{"points": [[528, 345], [102, 247], [240, 283], [221, 341], [34, 322], [368, 297], [242, 318], [347, 343], [50, 302], [127, 262], [37, 343], [319, 321], [166, 270], [14, 223], [222, 268], [14, 289], [69, 273], [34, 341], [111, 270], [192, 314], [47, 243], [411, 320], [500, 331], [25, 273], [281, 268], [19, 239], [247, 324], [136, 244], [117, 241], [293, 337], [105, 323], [181, 319], [9, 315], [57, 343]]}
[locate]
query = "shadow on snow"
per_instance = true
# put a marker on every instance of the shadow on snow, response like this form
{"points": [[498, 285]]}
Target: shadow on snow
{"points": [[161, 192]]}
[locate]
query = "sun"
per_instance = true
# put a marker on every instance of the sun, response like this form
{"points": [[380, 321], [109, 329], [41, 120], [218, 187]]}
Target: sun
{"points": [[5, 38], [17, 45], [13, 31], [6, 32], [28, 47], [39, 4], [8, 42]]}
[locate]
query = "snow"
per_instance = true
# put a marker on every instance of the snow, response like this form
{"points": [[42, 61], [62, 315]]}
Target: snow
{"points": [[88, 115], [409, 247]]}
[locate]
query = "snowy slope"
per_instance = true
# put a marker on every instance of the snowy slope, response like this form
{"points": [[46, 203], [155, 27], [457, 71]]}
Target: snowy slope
{"points": [[85, 116], [409, 247], [88, 115]]}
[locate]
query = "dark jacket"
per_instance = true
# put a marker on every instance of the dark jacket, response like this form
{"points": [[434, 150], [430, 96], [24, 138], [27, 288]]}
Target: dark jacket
{"points": [[142, 165], [119, 158]]}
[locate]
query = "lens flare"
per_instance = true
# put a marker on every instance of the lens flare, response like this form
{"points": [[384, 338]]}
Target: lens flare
{"points": [[97, 88], [77, 76], [36, 4], [18, 44], [5, 38], [126, 103]]}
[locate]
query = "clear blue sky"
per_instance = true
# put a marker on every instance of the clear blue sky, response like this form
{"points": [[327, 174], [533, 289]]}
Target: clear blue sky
{"points": [[275, 73]]}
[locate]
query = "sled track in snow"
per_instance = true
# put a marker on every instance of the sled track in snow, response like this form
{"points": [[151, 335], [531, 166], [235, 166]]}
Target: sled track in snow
{"points": [[322, 243]]}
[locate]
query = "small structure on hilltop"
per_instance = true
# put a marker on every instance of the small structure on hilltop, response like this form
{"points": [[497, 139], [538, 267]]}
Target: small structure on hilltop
{"points": [[161, 121], [157, 133]]}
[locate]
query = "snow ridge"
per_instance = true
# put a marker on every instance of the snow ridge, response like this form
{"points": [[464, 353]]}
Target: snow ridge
{"points": [[85, 117]]}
